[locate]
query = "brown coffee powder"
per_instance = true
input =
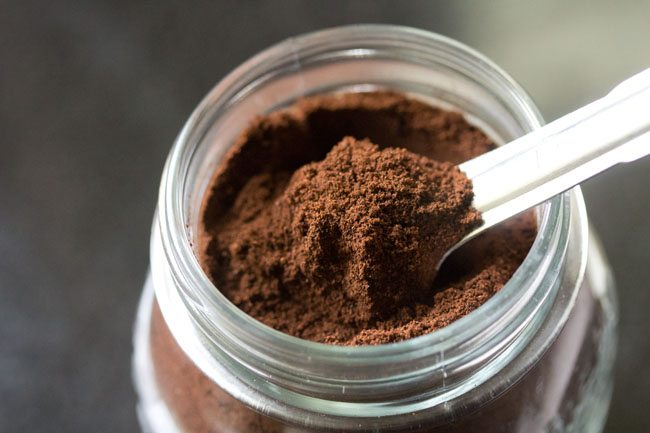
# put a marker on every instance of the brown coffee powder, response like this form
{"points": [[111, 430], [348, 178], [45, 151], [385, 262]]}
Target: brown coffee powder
{"points": [[273, 148], [338, 242]]}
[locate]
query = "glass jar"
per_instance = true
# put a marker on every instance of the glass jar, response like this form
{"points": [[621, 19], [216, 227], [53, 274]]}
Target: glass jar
{"points": [[536, 357]]}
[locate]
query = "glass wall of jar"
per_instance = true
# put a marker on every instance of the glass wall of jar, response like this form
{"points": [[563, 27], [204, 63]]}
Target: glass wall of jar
{"points": [[536, 357]]}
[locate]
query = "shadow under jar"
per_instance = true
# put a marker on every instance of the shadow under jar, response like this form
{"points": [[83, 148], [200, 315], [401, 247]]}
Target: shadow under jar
{"points": [[536, 357]]}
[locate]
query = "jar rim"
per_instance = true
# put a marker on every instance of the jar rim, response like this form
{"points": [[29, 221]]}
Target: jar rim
{"points": [[204, 301]]}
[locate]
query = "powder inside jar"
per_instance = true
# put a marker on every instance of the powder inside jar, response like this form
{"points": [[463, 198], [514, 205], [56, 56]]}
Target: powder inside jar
{"points": [[316, 231]]}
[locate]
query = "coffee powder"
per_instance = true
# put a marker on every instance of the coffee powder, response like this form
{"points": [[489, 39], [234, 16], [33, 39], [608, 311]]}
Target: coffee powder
{"points": [[338, 243], [272, 149]]}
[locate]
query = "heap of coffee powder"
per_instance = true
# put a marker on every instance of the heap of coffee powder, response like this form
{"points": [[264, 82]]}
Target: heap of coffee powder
{"points": [[326, 221]]}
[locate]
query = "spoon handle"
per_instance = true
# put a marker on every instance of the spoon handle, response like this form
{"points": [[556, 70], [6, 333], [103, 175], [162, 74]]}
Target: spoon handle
{"points": [[564, 153]]}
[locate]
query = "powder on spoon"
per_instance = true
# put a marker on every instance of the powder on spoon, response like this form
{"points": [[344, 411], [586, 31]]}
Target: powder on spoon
{"points": [[349, 238]]}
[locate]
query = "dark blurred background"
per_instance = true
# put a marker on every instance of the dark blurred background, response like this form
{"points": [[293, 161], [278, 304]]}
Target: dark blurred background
{"points": [[92, 95]]}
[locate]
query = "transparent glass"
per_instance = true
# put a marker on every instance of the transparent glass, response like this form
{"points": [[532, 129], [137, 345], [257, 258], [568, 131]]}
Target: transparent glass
{"points": [[536, 357]]}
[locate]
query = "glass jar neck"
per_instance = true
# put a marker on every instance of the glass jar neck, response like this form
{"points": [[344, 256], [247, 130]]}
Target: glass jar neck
{"points": [[293, 378]]}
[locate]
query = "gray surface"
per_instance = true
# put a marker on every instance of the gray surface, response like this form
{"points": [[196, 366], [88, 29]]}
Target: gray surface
{"points": [[91, 98]]}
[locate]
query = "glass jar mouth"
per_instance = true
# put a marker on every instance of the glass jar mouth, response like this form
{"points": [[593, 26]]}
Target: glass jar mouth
{"points": [[293, 367]]}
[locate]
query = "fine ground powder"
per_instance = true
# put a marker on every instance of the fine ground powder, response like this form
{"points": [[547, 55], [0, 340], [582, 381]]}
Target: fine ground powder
{"points": [[326, 221]]}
